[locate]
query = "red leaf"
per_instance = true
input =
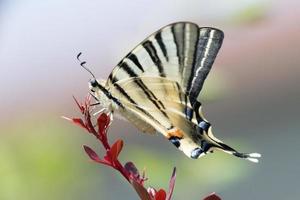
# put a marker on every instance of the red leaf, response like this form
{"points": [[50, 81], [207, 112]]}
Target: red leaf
{"points": [[93, 155], [160, 195], [142, 192], [103, 122], [212, 196], [79, 122], [171, 184], [116, 149]]}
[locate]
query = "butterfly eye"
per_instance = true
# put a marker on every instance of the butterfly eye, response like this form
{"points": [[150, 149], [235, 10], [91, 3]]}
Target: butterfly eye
{"points": [[94, 82]]}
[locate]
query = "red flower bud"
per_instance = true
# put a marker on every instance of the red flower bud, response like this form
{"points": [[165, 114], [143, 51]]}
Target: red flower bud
{"points": [[160, 195]]}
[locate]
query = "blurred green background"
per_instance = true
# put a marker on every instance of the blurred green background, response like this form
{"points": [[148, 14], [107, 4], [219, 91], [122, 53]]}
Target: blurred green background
{"points": [[251, 97]]}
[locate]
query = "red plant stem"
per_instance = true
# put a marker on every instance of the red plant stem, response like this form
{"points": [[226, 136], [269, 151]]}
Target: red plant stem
{"points": [[122, 170], [116, 164], [111, 158], [101, 135], [103, 139]]}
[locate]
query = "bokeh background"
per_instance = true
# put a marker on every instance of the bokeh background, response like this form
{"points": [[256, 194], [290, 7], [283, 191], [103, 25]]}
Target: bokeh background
{"points": [[251, 97]]}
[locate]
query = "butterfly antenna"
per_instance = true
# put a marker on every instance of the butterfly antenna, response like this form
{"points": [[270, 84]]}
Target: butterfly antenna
{"points": [[82, 64]]}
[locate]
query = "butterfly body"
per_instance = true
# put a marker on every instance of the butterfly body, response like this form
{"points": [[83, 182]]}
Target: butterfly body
{"points": [[157, 86]]}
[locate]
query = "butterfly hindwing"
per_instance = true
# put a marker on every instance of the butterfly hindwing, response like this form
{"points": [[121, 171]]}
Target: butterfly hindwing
{"points": [[166, 113]]}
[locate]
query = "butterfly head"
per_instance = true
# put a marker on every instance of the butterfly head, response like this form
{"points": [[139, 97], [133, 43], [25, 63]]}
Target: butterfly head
{"points": [[99, 91], [93, 83]]}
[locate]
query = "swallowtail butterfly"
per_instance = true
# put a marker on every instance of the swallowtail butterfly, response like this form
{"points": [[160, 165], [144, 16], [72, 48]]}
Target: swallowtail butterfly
{"points": [[157, 85]]}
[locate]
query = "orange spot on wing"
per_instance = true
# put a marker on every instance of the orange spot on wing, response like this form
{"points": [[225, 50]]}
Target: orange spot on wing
{"points": [[175, 133]]}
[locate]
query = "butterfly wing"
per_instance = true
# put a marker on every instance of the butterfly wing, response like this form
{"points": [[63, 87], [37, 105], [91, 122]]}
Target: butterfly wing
{"points": [[181, 52]]}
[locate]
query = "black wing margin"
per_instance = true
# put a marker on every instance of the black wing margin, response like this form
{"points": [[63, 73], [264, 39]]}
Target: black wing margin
{"points": [[209, 43]]}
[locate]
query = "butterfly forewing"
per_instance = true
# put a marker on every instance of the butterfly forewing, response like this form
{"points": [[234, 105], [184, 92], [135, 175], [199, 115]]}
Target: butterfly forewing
{"points": [[181, 52]]}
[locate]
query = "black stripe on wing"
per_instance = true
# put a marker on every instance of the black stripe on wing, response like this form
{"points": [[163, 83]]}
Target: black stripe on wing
{"points": [[177, 32], [158, 104], [135, 60], [135, 104], [151, 50], [162, 45]]}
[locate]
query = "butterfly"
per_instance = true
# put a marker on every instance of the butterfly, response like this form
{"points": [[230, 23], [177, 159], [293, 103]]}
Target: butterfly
{"points": [[157, 86]]}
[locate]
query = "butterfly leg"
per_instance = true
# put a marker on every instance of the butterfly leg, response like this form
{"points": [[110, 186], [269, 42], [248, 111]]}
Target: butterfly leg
{"points": [[111, 117], [102, 110], [95, 104]]}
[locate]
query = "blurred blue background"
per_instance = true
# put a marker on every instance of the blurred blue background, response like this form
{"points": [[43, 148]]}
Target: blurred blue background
{"points": [[251, 97]]}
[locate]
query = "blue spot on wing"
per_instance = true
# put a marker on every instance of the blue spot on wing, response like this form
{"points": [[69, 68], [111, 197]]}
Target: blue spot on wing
{"points": [[175, 140], [196, 153]]}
